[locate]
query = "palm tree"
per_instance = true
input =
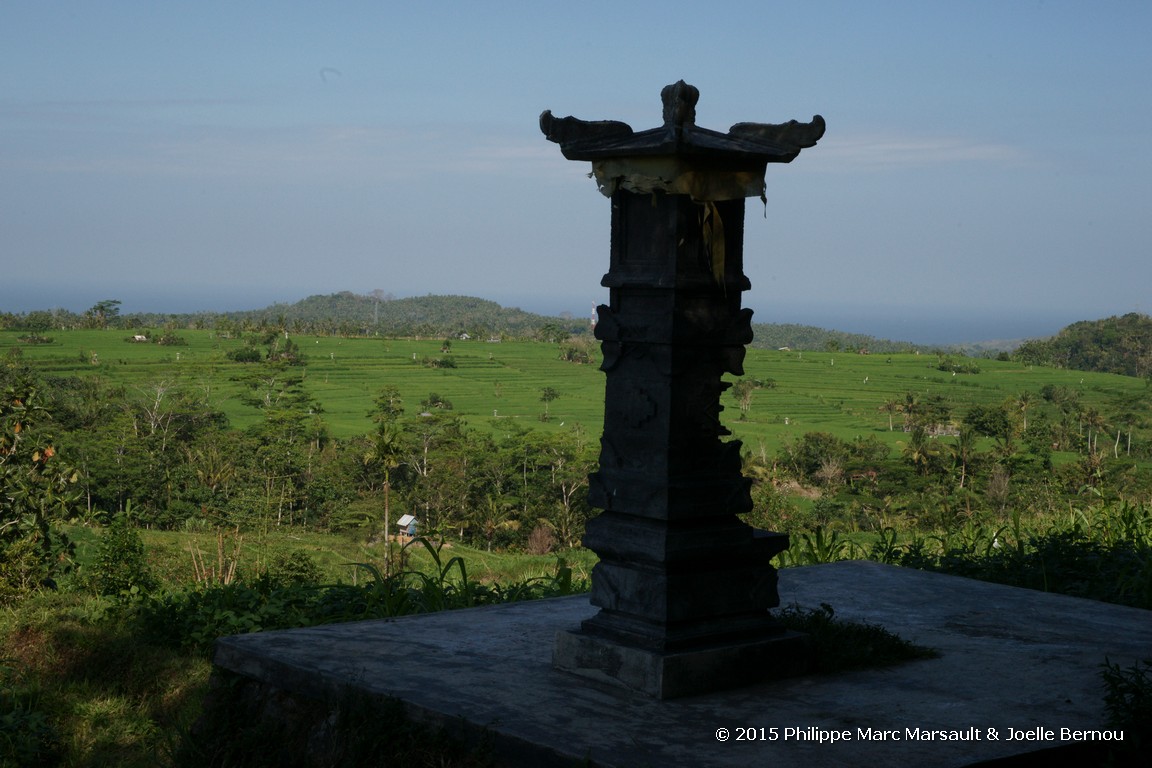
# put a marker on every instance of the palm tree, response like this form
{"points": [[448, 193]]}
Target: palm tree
{"points": [[491, 517], [891, 407], [964, 451], [919, 450], [1024, 401], [911, 409], [384, 451]]}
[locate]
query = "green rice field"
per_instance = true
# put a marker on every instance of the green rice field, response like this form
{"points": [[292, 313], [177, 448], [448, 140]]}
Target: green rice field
{"points": [[493, 383]]}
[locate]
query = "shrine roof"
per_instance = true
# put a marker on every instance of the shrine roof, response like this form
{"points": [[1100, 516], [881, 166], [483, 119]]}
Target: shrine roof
{"points": [[752, 143]]}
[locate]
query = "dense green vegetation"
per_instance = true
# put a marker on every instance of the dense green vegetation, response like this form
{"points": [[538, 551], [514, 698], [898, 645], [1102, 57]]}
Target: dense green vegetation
{"points": [[1112, 345], [163, 485], [810, 338], [94, 676], [490, 443], [343, 314]]}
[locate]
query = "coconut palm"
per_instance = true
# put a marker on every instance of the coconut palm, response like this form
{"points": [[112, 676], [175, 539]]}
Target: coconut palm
{"points": [[891, 407], [1024, 401]]}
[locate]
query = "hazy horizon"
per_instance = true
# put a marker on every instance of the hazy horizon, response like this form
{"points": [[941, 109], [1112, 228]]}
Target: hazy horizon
{"points": [[984, 171], [918, 325]]}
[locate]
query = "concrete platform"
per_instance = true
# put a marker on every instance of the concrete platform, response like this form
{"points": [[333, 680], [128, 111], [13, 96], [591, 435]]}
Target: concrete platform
{"points": [[1012, 659]]}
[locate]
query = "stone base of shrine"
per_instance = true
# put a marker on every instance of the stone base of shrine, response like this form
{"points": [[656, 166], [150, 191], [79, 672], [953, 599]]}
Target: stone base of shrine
{"points": [[684, 673], [1018, 682]]}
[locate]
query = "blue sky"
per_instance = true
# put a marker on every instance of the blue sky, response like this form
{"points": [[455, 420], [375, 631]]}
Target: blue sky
{"points": [[986, 173]]}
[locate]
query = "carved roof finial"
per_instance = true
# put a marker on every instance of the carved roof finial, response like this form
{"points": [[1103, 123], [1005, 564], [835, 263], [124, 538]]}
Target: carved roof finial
{"points": [[680, 103]]}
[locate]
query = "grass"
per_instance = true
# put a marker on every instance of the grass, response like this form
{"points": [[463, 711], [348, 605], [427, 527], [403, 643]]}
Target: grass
{"points": [[91, 681], [98, 681], [842, 646], [841, 393], [87, 692], [238, 731], [82, 687], [170, 554], [496, 383], [491, 382]]}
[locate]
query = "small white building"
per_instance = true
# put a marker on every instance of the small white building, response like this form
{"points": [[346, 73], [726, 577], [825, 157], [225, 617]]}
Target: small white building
{"points": [[407, 525]]}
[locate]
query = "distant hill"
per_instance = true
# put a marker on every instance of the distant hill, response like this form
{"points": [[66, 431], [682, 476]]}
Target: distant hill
{"points": [[351, 314], [1119, 344], [451, 315], [810, 338], [415, 316]]}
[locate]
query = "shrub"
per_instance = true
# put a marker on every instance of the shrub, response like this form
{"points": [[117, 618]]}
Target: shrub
{"points": [[1128, 702], [26, 735], [577, 354], [172, 340], [121, 566], [245, 355], [434, 400], [295, 568], [21, 569], [540, 540], [1067, 562], [839, 645]]}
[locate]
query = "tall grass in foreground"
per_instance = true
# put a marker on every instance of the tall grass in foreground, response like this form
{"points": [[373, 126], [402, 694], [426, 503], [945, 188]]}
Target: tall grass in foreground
{"points": [[194, 618], [91, 680], [1101, 552], [119, 679]]}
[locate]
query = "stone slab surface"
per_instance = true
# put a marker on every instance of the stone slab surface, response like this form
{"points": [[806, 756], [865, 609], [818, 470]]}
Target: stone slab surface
{"points": [[1011, 659]]}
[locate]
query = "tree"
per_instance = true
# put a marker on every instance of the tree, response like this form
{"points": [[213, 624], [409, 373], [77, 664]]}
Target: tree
{"points": [[103, 313], [36, 489], [935, 411], [1024, 401], [742, 390], [288, 441], [379, 295], [491, 517], [429, 453], [561, 466], [1112, 345], [389, 405], [285, 351], [547, 395], [806, 456], [384, 452], [272, 388], [891, 407], [37, 320], [964, 451], [552, 333], [920, 451], [435, 402], [1094, 422], [991, 421], [911, 410], [577, 351], [121, 564]]}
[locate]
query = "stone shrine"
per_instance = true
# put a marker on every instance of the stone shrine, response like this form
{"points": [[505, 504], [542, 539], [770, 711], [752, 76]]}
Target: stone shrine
{"points": [[684, 587]]}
